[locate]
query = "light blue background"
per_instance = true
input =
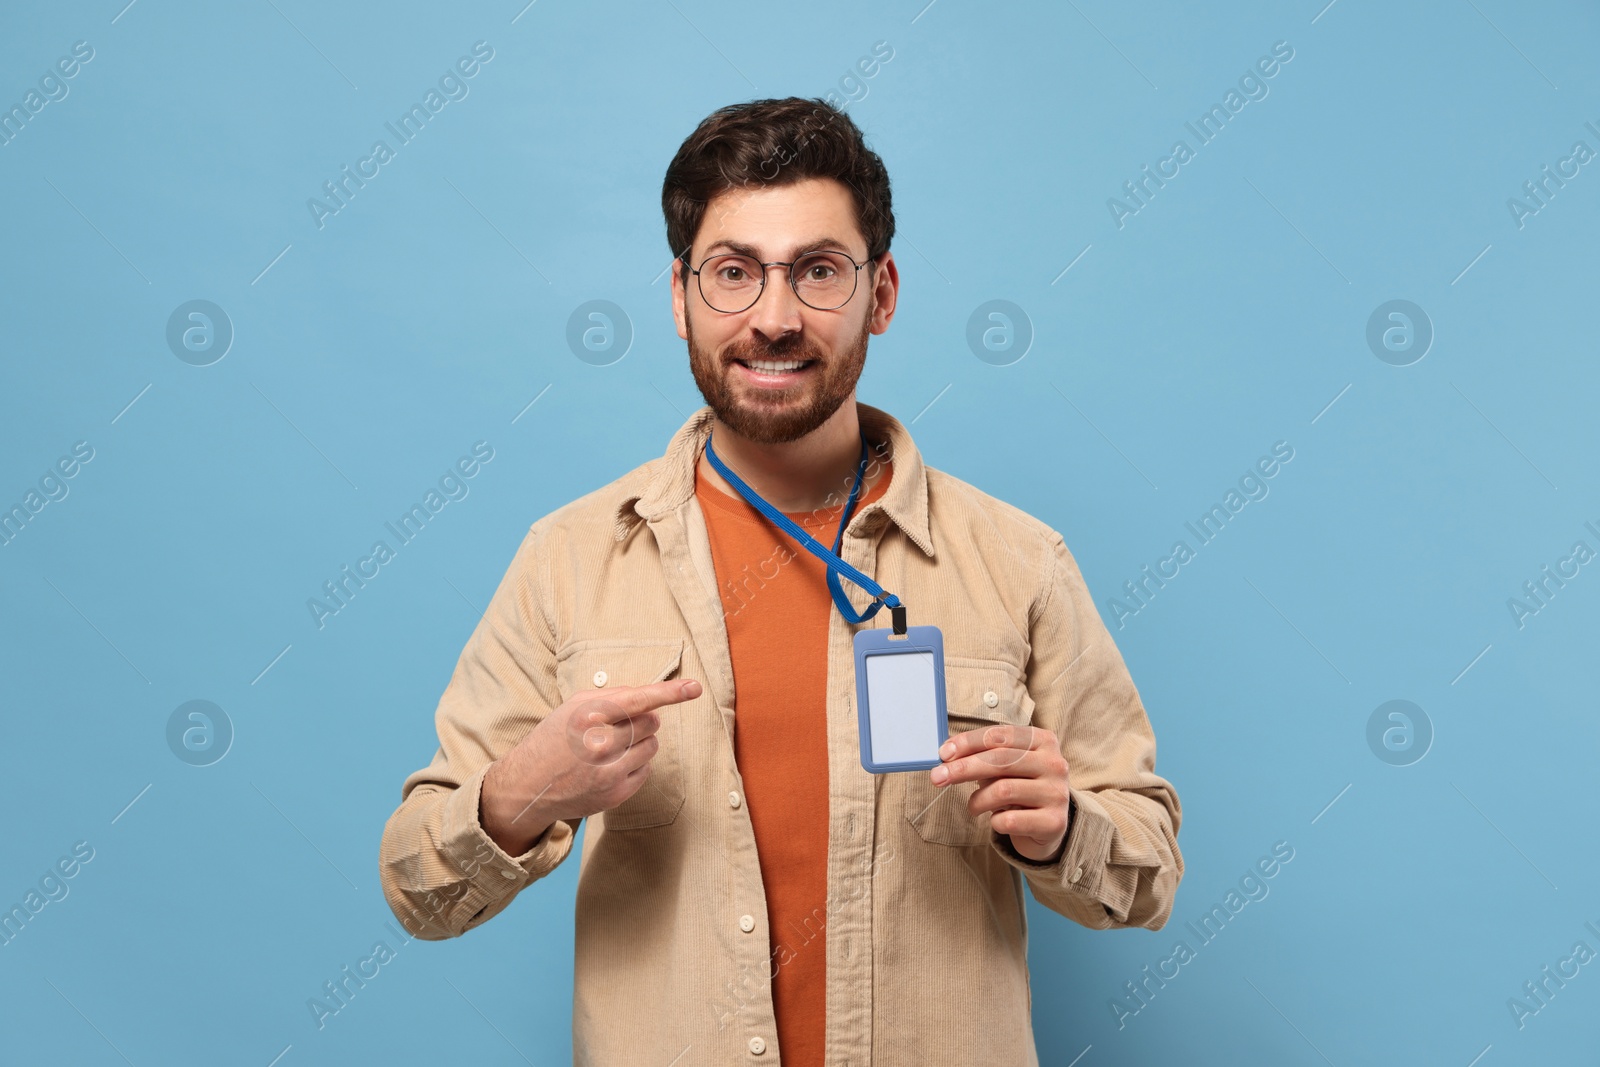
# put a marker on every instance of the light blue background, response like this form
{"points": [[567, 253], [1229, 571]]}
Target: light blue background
{"points": [[1224, 317]]}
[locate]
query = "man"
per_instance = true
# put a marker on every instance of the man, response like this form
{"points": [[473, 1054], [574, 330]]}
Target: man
{"points": [[661, 660]]}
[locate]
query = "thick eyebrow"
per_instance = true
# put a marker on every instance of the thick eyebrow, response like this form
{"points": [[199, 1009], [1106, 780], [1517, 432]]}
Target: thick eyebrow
{"points": [[799, 250]]}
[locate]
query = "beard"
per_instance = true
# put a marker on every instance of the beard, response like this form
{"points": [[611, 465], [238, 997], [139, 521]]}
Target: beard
{"points": [[777, 416]]}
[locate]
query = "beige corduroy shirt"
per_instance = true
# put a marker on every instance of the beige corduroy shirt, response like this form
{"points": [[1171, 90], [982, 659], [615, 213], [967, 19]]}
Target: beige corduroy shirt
{"points": [[926, 932]]}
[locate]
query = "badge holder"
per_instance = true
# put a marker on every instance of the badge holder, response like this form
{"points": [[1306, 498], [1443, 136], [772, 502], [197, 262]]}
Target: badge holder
{"points": [[900, 701]]}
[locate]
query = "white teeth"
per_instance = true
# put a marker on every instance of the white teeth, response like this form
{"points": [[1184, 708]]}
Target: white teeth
{"points": [[775, 367]]}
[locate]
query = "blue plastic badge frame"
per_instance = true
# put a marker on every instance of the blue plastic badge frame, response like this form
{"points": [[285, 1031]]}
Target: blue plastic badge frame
{"points": [[879, 642]]}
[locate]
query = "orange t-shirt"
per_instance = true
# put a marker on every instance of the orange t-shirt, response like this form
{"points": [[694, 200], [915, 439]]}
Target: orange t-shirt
{"points": [[776, 604]]}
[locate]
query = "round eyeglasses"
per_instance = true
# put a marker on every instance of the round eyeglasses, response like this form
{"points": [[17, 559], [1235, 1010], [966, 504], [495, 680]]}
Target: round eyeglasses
{"points": [[731, 283]]}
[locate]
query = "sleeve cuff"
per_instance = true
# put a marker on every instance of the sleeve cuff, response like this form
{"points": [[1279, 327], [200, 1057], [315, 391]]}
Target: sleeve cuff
{"points": [[487, 868], [1081, 867]]}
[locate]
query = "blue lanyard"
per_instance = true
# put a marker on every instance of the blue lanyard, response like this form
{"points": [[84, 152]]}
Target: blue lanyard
{"points": [[836, 566]]}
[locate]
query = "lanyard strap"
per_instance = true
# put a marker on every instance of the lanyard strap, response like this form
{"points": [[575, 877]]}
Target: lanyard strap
{"points": [[836, 566]]}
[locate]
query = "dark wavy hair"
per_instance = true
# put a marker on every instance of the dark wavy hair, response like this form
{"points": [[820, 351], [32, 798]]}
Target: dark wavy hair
{"points": [[768, 143]]}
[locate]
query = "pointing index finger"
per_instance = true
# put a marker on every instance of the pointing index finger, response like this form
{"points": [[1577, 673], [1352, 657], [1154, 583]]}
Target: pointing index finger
{"points": [[626, 701]]}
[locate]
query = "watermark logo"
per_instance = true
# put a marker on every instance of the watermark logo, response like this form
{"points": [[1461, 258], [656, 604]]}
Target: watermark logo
{"points": [[52, 486], [853, 87], [452, 88], [340, 990], [1539, 992], [1399, 333], [1539, 591], [199, 733], [1252, 887], [1252, 487], [341, 590], [52, 888], [53, 88], [1140, 191], [1399, 733], [199, 333], [599, 332], [999, 332], [1538, 191]]}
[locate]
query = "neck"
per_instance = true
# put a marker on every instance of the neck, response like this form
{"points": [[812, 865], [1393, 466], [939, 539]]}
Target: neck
{"points": [[807, 474]]}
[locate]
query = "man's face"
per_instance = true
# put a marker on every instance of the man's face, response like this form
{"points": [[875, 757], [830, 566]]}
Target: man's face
{"points": [[772, 405]]}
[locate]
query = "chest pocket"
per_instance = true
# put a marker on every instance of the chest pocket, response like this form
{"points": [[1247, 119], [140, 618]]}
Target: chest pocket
{"points": [[978, 693], [598, 665]]}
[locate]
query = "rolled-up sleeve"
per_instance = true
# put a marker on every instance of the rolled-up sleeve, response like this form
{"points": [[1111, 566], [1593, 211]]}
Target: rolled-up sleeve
{"points": [[1120, 865], [441, 873]]}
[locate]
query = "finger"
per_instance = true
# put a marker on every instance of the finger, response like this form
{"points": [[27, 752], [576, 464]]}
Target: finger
{"points": [[1040, 824], [624, 701], [602, 742], [591, 714], [602, 712], [998, 794], [636, 761], [998, 735], [630, 772], [1000, 762], [629, 784]]}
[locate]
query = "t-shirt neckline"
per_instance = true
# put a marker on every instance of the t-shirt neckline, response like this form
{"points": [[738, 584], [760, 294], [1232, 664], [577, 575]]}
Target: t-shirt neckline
{"points": [[825, 517]]}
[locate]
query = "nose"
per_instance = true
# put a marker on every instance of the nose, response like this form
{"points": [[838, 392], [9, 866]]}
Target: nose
{"points": [[777, 310]]}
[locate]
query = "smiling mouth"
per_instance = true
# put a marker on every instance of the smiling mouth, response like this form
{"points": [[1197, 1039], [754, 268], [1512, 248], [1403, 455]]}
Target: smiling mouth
{"points": [[774, 371]]}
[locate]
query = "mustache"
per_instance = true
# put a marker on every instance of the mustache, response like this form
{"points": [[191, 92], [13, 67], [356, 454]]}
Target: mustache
{"points": [[795, 347]]}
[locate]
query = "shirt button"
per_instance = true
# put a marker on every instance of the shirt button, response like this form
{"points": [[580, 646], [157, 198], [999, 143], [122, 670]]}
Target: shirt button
{"points": [[599, 679], [757, 1046], [733, 800], [990, 698], [1077, 873], [508, 874], [747, 923]]}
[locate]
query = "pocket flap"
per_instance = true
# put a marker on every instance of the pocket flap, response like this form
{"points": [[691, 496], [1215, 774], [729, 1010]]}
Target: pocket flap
{"points": [[604, 663], [987, 690]]}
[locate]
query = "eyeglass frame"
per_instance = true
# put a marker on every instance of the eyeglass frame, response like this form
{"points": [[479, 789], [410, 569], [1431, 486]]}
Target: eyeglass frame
{"points": [[789, 271]]}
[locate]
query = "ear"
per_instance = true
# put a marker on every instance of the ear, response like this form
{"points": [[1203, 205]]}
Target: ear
{"points": [[885, 292], [679, 311]]}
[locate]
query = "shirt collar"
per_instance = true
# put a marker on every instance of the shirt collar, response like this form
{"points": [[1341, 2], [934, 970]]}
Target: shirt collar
{"points": [[670, 480]]}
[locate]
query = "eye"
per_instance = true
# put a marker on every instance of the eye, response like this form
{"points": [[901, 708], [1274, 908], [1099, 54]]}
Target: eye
{"points": [[820, 270]]}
